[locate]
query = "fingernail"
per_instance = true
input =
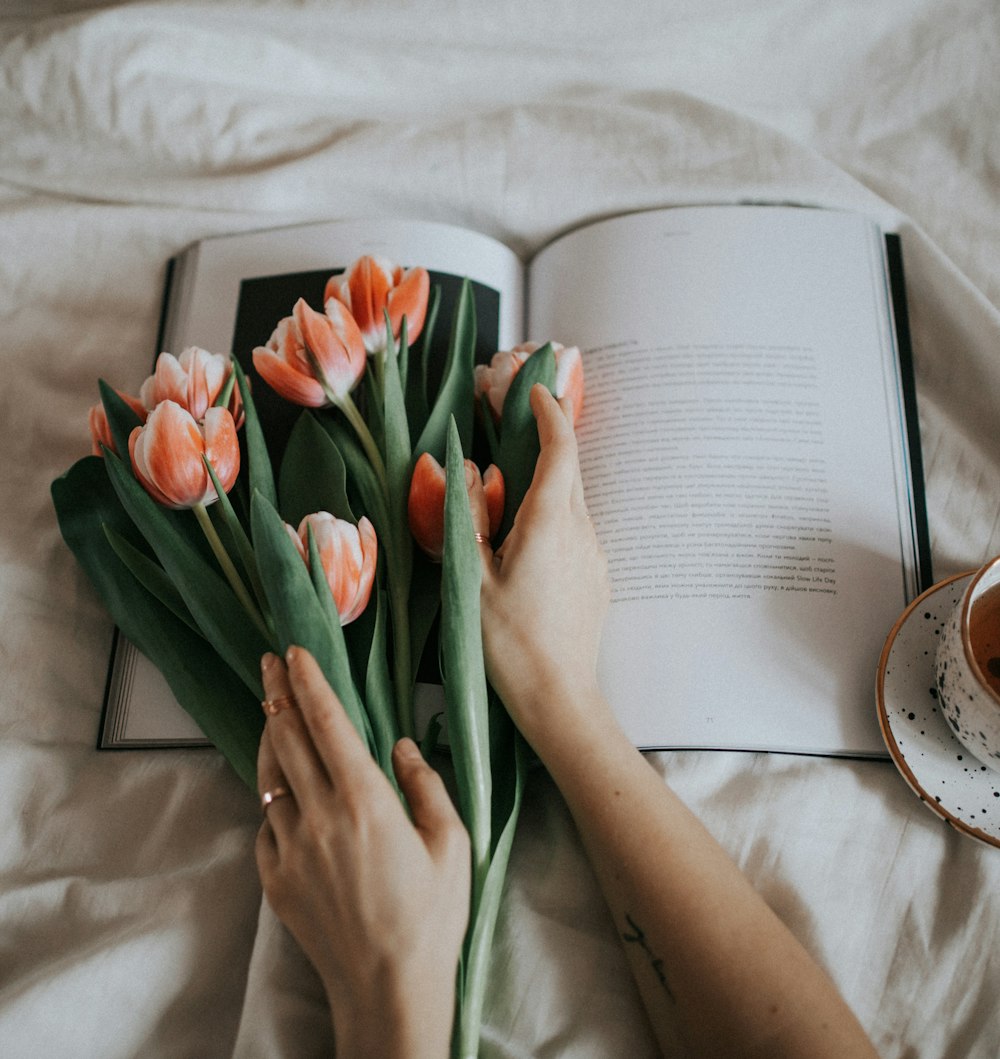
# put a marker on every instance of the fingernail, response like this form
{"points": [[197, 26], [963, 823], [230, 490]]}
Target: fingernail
{"points": [[268, 662], [291, 654], [407, 749]]}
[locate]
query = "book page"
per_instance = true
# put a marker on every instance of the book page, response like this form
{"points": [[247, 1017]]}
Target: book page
{"points": [[206, 302], [743, 460]]}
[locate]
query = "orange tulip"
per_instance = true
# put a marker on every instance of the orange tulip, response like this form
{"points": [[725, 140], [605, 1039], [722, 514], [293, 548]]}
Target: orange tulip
{"points": [[494, 379], [100, 429], [373, 285], [193, 380], [313, 359], [167, 454], [349, 555], [425, 506]]}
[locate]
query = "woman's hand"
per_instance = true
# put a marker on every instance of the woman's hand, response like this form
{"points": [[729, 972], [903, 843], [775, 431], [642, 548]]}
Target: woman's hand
{"points": [[545, 592], [378, 903]]}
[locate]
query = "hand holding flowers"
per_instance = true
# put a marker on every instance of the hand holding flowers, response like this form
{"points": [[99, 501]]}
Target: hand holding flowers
{"points": [[343, 861]]}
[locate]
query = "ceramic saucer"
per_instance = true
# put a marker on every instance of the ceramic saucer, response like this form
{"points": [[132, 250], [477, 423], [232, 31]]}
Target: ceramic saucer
{"points": [[944, 775]]}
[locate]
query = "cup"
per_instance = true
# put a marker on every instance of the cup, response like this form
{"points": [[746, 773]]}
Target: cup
{"points": [[967, 664]]}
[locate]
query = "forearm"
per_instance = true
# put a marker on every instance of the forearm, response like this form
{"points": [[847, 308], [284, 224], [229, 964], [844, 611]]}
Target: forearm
{"points": [[718, 971]]}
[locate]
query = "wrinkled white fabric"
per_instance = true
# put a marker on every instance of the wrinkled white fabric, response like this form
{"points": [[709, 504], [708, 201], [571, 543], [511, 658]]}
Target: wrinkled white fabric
{"points": [[128, 895]]}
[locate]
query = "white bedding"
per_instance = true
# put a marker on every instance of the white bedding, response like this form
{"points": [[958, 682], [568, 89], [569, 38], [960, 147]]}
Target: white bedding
{"points": [[128, 894]]}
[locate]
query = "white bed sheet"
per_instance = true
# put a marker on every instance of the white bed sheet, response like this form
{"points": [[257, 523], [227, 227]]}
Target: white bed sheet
{"points": [[128, 895]]}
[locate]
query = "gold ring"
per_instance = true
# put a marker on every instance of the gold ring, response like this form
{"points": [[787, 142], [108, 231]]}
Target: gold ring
{"points": [[481, 538], [273, 795], [276, 705]]}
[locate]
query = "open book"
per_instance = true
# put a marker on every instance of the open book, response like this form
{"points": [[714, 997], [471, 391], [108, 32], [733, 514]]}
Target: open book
{"points": [[749, 447]]}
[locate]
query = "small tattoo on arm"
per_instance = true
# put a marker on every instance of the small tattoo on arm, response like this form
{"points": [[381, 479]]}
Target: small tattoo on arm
{"points": [[635, 935]]}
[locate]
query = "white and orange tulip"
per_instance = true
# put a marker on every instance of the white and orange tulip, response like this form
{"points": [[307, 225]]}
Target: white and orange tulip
{"points": [[372, 286], [425, 505], [313, 359], [493, 380], [348, 554], [167, 454], [193, 380]]}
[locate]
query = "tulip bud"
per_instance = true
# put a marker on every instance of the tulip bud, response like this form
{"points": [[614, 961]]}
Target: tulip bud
{"points": [[168, 454], [493, 380], [313, 359], [372, 286], [348, 554], [194, 381], [425, 506]]}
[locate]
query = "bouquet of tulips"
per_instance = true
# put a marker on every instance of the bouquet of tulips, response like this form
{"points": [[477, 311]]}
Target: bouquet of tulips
{"points": [[209, 550]]}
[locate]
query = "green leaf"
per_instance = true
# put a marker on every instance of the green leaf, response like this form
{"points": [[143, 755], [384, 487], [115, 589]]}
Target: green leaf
{"points": [[511, 761], [313, 476], [88, 508], [212, 603], [403, 350], [519, 447], [364, 489], [151, 576], [223, 397], [456, 396], [416, 375], [462, 660], [378, 688], [397, 544], [260, 473], [299, 616], [237, 540], [121, 418]]}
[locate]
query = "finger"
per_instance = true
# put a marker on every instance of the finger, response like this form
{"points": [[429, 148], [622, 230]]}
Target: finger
{"points": [[269, 777], [577, 498], [557, 470], [288, 750], [266, 852], [480, 515], [477, 499], [335, 740], [431, 809]]}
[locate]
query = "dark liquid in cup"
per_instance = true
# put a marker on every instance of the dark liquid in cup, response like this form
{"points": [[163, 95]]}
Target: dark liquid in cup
{"points": [[984, 635]]}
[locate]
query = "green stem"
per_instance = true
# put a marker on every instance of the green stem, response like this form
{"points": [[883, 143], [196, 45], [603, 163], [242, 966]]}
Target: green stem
{"points": [[355, 418], [399, 595], [235, 582]]}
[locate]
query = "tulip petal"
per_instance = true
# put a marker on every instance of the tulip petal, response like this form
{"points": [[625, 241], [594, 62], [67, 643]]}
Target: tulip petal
{"points": [[222, 447], [171, 447], [335, 343], [284, 379], [141, 471], [100, 430], [369, 281], [425, 505], [409, 299], [493, 487], [569, 378]]}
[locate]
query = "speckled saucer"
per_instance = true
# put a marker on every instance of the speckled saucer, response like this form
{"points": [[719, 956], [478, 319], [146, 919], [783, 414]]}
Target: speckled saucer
{"points": [[945, 776]]}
